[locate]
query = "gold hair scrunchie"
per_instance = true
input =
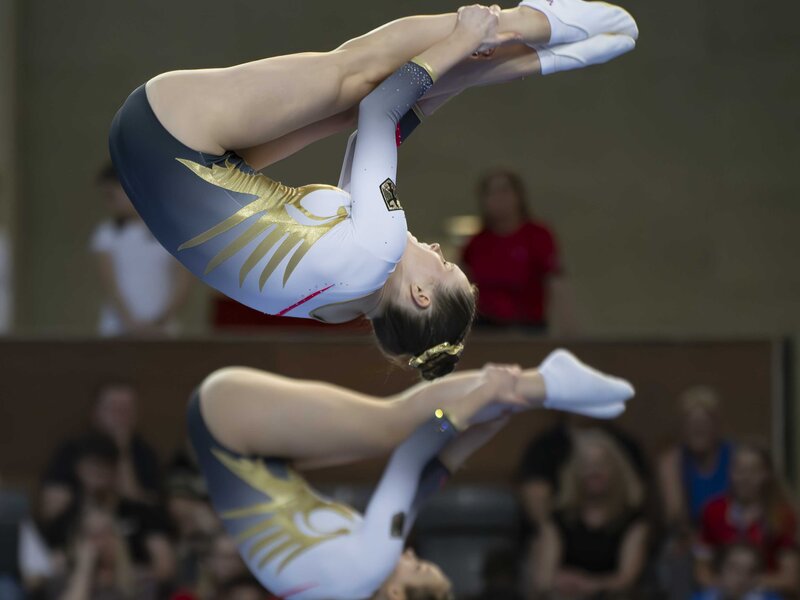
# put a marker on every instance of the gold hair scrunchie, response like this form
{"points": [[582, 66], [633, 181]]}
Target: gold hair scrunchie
{"points": [[445, 348]]}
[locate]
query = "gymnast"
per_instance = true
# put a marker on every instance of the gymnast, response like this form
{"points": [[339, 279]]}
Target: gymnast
{"points": [[188, 144], [254, 431]]}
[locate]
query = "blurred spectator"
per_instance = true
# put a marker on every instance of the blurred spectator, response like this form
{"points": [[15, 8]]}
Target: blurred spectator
{"points": [[144, 285], [542, 463], [144, 527], [115, 415], [596, 544], [514, 261], [196, 525], [697, 470], [100, 566], [756, 510], [738, 576], [221, 567], [691, 474], [24, 559]]}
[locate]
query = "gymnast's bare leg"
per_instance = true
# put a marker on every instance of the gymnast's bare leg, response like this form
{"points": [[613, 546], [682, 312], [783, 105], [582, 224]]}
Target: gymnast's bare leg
{"points": [[214, 110], [319, 424]]}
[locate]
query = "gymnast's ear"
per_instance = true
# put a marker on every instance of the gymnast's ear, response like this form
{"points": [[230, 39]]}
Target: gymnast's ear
{"points": [[421, 296]]}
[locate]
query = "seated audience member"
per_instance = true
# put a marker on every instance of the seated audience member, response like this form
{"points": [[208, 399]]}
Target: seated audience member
{"points": [[144, 527], [697, 470], [596, 543], [219, 568], [115, 415], [25, 562], [144, 285], [543, 461], [514, 260], [738, 576], [100, 566], [194, 522], [755, 510]]}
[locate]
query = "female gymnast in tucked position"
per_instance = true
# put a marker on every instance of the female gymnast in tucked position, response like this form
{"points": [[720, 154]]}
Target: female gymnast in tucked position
{"points": [[188, 144], [253, 432]]}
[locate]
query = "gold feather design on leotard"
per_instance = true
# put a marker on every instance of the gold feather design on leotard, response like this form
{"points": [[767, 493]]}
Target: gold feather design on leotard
{"points": [[276, 532], [272, 199]]}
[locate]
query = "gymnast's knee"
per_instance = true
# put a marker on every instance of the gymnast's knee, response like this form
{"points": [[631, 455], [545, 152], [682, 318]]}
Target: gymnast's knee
{"points": [[217, 386]]}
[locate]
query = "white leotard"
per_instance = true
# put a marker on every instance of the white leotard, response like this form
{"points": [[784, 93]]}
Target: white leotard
{"points": [[302, 546], [293, 250]]}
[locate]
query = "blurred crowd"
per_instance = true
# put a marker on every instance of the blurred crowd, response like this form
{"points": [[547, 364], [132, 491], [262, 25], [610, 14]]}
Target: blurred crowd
{"points": [[712, 520]]}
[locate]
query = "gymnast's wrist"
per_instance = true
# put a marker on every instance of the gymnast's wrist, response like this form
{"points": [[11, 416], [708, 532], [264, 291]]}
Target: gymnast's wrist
{"points": [[465, 41], [442, 57]]}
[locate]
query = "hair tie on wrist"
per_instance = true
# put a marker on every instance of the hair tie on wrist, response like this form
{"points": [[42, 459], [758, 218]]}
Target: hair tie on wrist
{"points": [[431, 353]]}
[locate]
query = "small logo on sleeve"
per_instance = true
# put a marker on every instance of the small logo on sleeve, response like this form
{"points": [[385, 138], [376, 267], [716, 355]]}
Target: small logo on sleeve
{"points": [[389, 193], [398, 525]]}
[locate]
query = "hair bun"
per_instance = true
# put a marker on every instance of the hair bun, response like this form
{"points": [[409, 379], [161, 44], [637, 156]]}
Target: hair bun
{"points": [[439, 366], [437, 361]]}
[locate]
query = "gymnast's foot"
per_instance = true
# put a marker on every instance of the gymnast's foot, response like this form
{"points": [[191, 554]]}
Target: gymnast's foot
{"points": [[576, 20], [575, 387], [593, 51]]}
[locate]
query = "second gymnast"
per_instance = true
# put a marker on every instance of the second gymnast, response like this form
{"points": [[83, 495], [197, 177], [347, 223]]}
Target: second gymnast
{"points": [[253, 432], [188, 145]]}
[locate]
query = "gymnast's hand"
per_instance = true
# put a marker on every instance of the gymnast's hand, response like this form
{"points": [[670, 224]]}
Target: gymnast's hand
{"points": [[502, 381], [496, 394], [479, 24]]}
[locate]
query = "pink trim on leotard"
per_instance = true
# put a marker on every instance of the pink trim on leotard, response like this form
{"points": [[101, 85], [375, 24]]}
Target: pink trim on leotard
{"points": [[297, 590], [304, 300]]}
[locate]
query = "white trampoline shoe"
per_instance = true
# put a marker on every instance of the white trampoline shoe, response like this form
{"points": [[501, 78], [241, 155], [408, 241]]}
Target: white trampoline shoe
{"points": [[576, 20], [593, 51]]}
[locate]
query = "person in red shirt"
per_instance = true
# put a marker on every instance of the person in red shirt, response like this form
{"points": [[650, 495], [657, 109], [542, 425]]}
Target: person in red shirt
{"points": [[514, 260], [755, 511]]}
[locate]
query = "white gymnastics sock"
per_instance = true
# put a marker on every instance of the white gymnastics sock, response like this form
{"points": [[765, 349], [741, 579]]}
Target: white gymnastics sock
{"points": [[594, 51], [575, 20], [575, 387]]}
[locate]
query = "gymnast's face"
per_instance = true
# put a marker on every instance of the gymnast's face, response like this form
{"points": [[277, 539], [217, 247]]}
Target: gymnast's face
{"points": [[423, 269], [411, 572]]}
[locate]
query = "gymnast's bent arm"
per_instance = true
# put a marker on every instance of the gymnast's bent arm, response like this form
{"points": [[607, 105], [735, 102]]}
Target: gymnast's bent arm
{"points": [[378, 544], [376, 214]]}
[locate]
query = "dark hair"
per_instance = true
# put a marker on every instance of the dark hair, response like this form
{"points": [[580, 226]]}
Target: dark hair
{"points": [[108, 174], [98, 446], [516, 183], [421, 593], [401, 333], [775, 497]]}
